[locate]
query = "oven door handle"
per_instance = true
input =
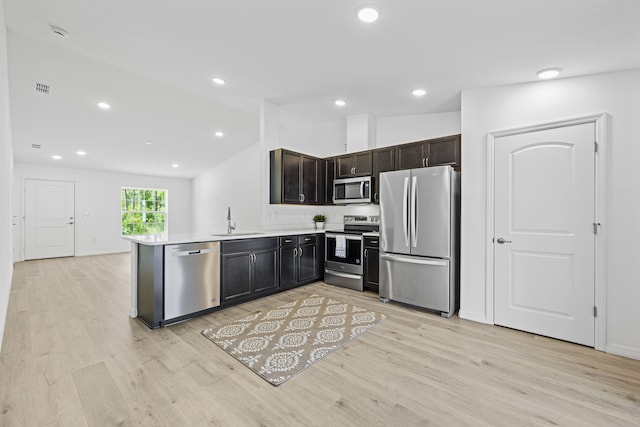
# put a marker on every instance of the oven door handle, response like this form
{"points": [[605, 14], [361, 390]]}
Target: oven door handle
{"points": [[345, 275], [346, 236]]}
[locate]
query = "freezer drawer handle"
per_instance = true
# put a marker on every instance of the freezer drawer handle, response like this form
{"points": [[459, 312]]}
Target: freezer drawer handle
{"points": [[413, 260]]}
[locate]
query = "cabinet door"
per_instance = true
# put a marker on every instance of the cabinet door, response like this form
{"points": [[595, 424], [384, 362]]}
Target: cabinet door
{"points": [[291, 164], [329, 175], [310, 180], [411, 156], [265, 270], [288, 266], [371, 269], [445, 151], [383, 161], [362, 163], [344, 166], [308, 262], [236, 276]]}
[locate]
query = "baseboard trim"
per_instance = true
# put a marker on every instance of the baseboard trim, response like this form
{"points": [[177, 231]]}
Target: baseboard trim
{"points": [[474, 317], [623, 350], [119, 251]]}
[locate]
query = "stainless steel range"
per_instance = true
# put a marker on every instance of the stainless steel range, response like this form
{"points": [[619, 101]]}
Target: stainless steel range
{"points": [[344, 251]]}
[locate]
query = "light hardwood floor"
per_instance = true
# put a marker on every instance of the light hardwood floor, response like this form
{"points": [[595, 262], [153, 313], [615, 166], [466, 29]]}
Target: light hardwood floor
{"points": [[73, 357]]}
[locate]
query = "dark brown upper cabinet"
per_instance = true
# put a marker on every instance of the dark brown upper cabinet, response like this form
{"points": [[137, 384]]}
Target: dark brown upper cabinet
{"points": [[433, 152], [356, 164], [295, 178], [384, 160], [329, 175]]}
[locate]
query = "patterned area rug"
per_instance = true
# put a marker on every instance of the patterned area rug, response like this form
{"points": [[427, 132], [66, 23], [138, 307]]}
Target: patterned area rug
{"points": [[281, 342]]}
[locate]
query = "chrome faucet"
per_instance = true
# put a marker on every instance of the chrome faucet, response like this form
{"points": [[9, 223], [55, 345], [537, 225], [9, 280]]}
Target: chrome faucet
{"points": [[230, 227]]}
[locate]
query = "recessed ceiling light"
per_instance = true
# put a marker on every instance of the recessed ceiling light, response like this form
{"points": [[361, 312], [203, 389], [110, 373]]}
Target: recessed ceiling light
{"points": [[104, 105], [368, 13], [419, 92], [219, 134], [218, 81], [340, 102], [175, 165], [81, 153], [56, 157], [549, 73], [59, 31], [148, 143]]}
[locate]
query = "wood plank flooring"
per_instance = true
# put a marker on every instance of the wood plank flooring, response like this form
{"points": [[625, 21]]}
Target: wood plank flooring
{"points": [[73, 357]]}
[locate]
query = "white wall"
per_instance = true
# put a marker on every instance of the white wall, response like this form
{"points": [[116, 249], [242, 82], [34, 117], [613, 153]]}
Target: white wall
{"points": [[237, 183], [401, 129], [6, 175], [499, 108], [98, 214]]}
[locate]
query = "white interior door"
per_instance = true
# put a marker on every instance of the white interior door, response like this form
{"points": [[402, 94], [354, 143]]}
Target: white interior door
{"points": [[544, 214], [49, 219]]}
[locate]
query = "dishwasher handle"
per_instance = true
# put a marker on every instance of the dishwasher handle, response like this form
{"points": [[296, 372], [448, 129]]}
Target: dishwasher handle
{"points": [[194, 252]]}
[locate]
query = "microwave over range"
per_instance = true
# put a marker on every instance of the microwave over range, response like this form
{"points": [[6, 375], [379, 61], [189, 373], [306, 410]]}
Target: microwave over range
{"points": [[352, 190]]}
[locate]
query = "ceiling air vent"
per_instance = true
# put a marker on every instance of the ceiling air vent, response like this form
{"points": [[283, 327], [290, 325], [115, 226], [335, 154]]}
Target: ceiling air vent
{"points": [[42, 88]]}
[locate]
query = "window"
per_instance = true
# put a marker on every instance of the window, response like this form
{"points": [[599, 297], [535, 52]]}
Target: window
{"points": [[144, 211]]}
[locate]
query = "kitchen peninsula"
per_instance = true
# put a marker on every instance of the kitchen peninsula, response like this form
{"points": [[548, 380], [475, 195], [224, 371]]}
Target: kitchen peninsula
{"points": [[180, 276]]}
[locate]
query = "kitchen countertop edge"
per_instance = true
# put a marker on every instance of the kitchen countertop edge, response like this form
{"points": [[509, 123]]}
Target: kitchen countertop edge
{"points": [[176, 239]]}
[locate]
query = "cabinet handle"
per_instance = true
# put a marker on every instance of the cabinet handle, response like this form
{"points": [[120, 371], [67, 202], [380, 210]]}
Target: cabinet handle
{"points": [[287, 240], [375, 197], [423, 164], [374, 241], [299, 251], [426, 162], [295, 252], [302, 197], [366, 253], [307, 239]]}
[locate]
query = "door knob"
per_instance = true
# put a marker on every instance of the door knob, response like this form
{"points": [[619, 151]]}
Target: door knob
{"points": [[502, 241], [70, 223]]}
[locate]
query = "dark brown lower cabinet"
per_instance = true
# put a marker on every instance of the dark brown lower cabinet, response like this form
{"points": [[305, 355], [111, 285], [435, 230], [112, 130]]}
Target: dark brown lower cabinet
{"points": [[248, 268], [371, 264], [301, 259]]}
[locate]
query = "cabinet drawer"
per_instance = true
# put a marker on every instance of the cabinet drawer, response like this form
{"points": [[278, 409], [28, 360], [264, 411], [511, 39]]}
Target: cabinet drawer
{"points": [[288, 241], [371, 242], [249, 245], [307, 239]]}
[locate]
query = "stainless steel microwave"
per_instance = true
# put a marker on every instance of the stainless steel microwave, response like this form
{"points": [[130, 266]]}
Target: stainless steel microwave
{"points": [[352, 190]]}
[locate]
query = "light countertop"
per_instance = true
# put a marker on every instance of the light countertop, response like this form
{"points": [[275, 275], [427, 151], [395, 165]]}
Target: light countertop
{"points": [[172, 239]]}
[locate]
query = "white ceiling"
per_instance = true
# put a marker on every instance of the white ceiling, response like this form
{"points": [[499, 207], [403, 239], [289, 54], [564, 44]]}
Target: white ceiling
{"points": [[153, 61]]}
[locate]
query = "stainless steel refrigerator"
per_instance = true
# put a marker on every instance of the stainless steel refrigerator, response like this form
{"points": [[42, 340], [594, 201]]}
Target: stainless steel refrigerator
{"points": [[419, 236]]}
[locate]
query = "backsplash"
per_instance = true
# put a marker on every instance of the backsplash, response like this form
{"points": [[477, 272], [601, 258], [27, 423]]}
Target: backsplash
{"points": [[283, 217]]}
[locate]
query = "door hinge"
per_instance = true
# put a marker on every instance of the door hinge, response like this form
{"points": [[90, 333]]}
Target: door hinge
{"points": [[595, 227], [595, 146], [595, 311]]}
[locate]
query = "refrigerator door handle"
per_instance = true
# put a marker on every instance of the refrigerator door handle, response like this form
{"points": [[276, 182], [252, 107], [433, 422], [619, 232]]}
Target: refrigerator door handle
{"points": [[413, 260], [414, 213], [405, 218]]}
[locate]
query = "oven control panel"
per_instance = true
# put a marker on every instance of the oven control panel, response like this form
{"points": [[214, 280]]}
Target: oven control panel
{"points": [[361, 219]]}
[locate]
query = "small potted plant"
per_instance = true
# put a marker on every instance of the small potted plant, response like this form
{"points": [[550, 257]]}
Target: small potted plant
{"points": [[319, 220]]}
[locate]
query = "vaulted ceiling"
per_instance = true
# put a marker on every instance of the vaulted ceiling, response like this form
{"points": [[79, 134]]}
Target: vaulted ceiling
{"points": [[153, 61]]}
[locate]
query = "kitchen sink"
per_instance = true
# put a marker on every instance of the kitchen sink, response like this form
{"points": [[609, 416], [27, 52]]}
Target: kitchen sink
{"points": [[236, 234]]}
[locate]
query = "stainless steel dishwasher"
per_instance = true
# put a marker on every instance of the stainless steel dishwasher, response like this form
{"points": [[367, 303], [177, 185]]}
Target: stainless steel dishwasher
{"points": [[191, 278]]}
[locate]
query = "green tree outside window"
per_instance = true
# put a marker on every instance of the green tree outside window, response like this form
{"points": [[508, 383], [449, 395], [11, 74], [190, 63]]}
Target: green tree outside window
{"points": [[144, 211]]}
